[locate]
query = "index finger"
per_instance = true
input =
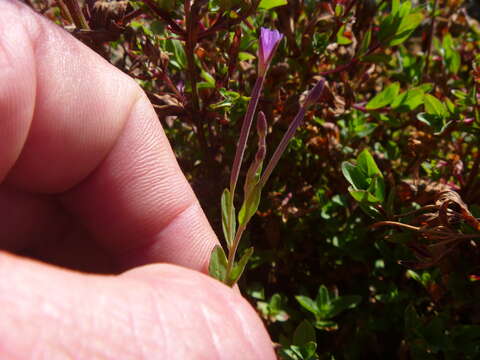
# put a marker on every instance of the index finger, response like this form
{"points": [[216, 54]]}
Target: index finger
{"points": [[78, 127]]}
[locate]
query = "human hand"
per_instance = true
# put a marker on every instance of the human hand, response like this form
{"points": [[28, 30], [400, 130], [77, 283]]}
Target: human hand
{"points": [[88, 181]]}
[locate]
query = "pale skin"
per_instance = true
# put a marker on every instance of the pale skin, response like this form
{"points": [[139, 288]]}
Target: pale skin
{"points": [[88, 181]]}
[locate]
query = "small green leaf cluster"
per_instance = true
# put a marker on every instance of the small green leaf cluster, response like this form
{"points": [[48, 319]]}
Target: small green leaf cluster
{"points": [[326, 306], [399, 25], [367, 185]]}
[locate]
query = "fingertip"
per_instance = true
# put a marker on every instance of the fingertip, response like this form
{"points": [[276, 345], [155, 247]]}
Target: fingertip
{"points": [[232, 320]]}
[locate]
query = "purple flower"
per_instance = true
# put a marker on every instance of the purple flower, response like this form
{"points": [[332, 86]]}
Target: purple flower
{"points": [[269, 40]]}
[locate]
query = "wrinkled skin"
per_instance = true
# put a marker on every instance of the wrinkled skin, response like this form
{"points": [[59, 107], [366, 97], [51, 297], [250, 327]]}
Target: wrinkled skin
{"points": [[88, 181]]}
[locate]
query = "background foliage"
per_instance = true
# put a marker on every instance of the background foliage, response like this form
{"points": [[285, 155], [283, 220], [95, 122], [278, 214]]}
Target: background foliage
{"points": [[366, 238]]}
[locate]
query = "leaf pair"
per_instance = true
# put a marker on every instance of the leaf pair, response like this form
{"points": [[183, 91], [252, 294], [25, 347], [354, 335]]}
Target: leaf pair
{"points": [[304, 343], [325, 307], [399, 24], [436, 113], [407, 101], [365, 178], [218, 267]]}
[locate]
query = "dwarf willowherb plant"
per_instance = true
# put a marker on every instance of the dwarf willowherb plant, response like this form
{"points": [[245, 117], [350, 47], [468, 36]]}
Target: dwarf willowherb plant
{"points": [[222, 267]]}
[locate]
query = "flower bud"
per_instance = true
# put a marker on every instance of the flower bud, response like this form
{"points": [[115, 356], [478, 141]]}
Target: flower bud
{"points": [[261, 125]]}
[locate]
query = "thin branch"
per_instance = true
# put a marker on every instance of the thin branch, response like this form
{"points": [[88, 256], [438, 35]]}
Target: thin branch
{"points": [[77, 14], [395, 223], [246, 125]]}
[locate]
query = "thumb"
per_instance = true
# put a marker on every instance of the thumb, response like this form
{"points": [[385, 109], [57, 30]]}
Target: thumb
{"points": [[152, 312]]}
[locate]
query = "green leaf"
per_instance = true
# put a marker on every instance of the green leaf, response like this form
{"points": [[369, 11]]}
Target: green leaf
{"points": [[326, 325], [244, 56], [239, 267], [364, 196], [209, 79], [436, 122], [250, 206], [276, 303], [388, 27], [270, 4], [304, 333], [409, 100], [403, 10], [377, 188], [305, 352], [367, 164], [228, 217], [179, 58], [307, 303], [384, 98], [459, 94], [371, 211], [218, 264], [367, 38], [413, 275], [433, 106], [323, 297], [426, 87], [407, 26], [341, 38], [354, 176], [451, 55], [395, 6], [342, 303], [204, 85]]}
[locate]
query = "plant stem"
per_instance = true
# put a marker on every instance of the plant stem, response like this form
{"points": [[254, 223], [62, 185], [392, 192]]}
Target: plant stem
{"points": [[233, 250], [190, 43], [65, 12], [296, 122], [242, 142], [395, 223], [77, 15]]}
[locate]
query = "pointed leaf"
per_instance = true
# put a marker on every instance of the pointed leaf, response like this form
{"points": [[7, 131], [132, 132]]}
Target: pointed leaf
{"points": [[270, 4], [341, 38], [367, 38], [343, 303], [228, 217], [218, 264], [367, 164], [307, 303], [326, 325], [433, 106], [354, 176], [363, 196], [250, 206], [323, 297], [304, 333], [409, 100], [239, 267], [377, 188], [407, 26], [384, 98]]}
